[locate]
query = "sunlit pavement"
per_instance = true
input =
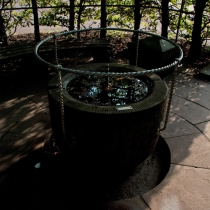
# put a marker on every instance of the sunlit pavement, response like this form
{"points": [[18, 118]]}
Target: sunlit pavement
{"points": [[25, 127]]}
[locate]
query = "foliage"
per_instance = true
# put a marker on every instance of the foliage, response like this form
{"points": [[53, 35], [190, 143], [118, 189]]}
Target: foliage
{"points": [[120, 16], [87, 13]]}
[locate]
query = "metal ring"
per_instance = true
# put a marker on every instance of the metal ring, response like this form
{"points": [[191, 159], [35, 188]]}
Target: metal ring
{"points": [[111, 74]]}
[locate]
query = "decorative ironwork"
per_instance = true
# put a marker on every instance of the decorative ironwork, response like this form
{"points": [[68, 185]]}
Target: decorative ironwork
{"points": [[108, 75], [60, 90]]}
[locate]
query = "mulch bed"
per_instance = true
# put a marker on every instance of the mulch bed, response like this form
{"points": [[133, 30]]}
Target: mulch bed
{"points": [[121, 48]]}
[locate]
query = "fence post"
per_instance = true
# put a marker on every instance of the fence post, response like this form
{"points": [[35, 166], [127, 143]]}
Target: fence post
{"points": [[136, 14], [71, 15], [36, 21], [103, 18], [165, 18]]}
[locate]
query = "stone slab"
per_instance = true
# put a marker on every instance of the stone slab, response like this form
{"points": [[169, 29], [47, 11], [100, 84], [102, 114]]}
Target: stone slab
{"points": [[183, 188], [187, 80], [136, 203], [36, 124], [193, 82], [192, 150], [205, 73], [198, 84], [39, 86], [203, 85], [183, 90], [1, 135], [190, 111], [178, 126], [205, 128], [14, 90], [180, 78], [40, 99], [9, 103], [183, 68], [14, 111], [15, 147], [201, 97], [186, 85]]}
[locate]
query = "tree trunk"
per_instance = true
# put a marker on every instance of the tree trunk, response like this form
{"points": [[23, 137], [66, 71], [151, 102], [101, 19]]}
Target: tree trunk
{"points": [[36, 21], [3, 35], [196, 45], [165, 18]]}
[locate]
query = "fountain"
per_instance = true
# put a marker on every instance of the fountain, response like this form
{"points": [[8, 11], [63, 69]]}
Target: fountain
{"points": [[108, 115]]}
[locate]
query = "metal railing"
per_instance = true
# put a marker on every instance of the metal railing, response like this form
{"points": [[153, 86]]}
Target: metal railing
{"points": [[74, 17]]}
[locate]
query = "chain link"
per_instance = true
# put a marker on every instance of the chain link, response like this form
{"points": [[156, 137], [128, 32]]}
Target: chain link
{"points": [[137, 50], [173, 81], [60, 90]]}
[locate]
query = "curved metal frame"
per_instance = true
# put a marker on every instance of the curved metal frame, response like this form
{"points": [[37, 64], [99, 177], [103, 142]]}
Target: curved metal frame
{"points": [[109, 74], [59, 68]]}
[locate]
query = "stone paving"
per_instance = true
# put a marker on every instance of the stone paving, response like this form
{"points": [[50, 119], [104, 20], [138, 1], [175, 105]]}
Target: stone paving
{"points": [[24, 116], [25, 127], [187, 185]]}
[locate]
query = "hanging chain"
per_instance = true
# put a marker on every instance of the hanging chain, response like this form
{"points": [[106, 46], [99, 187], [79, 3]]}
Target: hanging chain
{"points": [[171, 89], [137, 49], [173, 81], [60, 89]]}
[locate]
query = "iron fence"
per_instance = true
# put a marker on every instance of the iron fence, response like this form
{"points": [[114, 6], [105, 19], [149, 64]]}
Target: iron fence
{"points": [[72, 15]]}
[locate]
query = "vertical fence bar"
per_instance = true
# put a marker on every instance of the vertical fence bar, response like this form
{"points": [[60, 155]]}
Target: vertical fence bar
{"points": [[36, 21], [137, 19], [136, 15], [103, 18], [71, 15], [165, 18]]}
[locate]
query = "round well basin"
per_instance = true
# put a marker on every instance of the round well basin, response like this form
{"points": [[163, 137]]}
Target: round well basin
{"points": [[109, 137]]}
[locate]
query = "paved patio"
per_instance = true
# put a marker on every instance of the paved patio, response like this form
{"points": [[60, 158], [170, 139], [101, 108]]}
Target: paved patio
{"points": [[25, 127]]}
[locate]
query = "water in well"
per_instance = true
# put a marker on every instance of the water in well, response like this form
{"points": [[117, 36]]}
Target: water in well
{"points": [[107, 91]]}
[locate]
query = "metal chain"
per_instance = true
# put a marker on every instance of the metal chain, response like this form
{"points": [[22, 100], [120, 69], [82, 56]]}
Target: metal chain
{"points": [[60, 90], [137, 49], [170, 97], [55, 49]]}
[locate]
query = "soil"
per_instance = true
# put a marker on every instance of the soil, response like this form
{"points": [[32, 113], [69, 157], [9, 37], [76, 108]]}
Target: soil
{"points": [[121, 49]]}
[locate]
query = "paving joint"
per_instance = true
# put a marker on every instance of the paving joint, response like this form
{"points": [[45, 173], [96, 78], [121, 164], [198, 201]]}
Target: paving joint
{"points": [[145, 202], [187, 119], [190, 166]]}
